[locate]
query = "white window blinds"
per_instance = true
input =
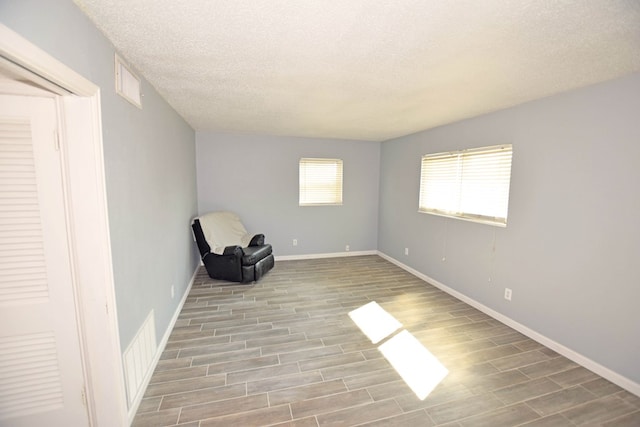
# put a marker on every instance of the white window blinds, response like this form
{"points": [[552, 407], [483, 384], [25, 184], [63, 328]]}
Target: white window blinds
{"points": [[469, 184], [320, 182]]}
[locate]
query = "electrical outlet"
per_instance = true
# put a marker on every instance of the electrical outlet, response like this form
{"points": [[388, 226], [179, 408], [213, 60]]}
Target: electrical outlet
{"points": [[406, 251], [173, 291], [295, 242], [507, 294], [346, 248]]}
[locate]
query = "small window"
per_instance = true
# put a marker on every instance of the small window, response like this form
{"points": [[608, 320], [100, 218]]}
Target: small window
{"points": [[468, 184], [320, 182]]}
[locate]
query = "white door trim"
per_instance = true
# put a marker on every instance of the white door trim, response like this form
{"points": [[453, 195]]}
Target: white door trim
{"points": [[86, 201], [22, 52]]}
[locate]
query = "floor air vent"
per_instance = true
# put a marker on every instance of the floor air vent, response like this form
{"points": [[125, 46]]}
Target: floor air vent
{"points": [[138, 357]]}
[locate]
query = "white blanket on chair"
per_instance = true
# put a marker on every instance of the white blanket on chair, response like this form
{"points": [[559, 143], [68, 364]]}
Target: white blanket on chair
{"points": [[222, 229]]}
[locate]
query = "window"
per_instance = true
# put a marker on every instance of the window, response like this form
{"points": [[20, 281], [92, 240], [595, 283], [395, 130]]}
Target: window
{"points": [[468, 184], [320, 182]]}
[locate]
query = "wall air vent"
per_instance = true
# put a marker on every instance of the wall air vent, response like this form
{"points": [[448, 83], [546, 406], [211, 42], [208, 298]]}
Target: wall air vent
{"points": [[127, 83]]}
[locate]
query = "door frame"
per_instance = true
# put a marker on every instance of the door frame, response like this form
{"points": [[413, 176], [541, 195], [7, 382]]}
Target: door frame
{"points": [[84, 187]]}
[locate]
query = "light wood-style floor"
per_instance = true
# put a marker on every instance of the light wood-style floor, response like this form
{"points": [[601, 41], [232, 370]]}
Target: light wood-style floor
{"points": [[285, 352]]}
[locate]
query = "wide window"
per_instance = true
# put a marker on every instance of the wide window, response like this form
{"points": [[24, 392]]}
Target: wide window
{"points": [[320, 182], [468, 184]]}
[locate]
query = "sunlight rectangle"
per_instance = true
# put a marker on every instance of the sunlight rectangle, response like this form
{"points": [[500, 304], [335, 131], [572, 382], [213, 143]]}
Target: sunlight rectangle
{"points": [[374, 321], [420, 369]]}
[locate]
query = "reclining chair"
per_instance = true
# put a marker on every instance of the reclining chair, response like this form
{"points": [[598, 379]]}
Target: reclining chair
{"points": [[228, 251]]}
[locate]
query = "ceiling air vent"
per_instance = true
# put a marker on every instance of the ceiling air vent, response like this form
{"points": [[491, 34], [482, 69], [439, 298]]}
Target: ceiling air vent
{"points": [[127, 83]]}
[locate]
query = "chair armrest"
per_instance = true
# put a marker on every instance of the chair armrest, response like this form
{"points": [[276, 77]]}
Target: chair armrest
{"points": [[225, 267], [257, 240], [233, 250]]}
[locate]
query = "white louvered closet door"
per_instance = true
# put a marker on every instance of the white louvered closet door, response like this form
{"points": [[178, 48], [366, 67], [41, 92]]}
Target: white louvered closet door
{"points": [[41, 375]]}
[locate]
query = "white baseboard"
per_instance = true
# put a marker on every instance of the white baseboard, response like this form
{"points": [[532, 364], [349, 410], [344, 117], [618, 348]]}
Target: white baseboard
{"points": [[570, 354], [328, 255], [160, 348]]}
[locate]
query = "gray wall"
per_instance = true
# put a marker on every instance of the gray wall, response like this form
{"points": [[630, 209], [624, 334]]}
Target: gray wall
{"points": [[571, 248], [149, 163], [257, 177]]}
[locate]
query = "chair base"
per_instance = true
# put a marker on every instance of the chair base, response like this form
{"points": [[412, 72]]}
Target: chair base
{"points": [[253, 273], [229, 269]]}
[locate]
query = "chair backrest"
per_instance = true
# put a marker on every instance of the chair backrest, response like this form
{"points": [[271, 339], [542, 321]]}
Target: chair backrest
{"points": [[222, 229], [203, 246]]}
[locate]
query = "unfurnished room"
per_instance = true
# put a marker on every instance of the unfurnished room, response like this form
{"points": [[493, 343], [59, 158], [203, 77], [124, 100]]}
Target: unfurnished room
{"points": [[319, 213]]}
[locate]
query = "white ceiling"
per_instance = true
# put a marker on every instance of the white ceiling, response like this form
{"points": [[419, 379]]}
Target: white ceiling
{"points": [[365, 69]]}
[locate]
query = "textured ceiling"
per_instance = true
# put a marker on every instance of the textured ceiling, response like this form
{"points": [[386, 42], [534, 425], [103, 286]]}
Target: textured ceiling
{"points": [[365, 69]]}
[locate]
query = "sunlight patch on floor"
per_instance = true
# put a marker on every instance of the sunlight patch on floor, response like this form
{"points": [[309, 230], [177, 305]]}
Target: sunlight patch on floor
{"points": [[374, 321], [420, 370]]}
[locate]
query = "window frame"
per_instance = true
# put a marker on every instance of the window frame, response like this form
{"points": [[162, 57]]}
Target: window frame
{"points": [[497, 183], [306, 195]]}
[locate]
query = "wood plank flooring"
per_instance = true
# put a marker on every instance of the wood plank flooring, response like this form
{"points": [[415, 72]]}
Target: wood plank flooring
{"points": [[284, 352]]}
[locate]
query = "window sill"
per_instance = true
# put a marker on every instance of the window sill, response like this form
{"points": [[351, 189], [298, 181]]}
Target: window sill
{"points": [[478, 219]]}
